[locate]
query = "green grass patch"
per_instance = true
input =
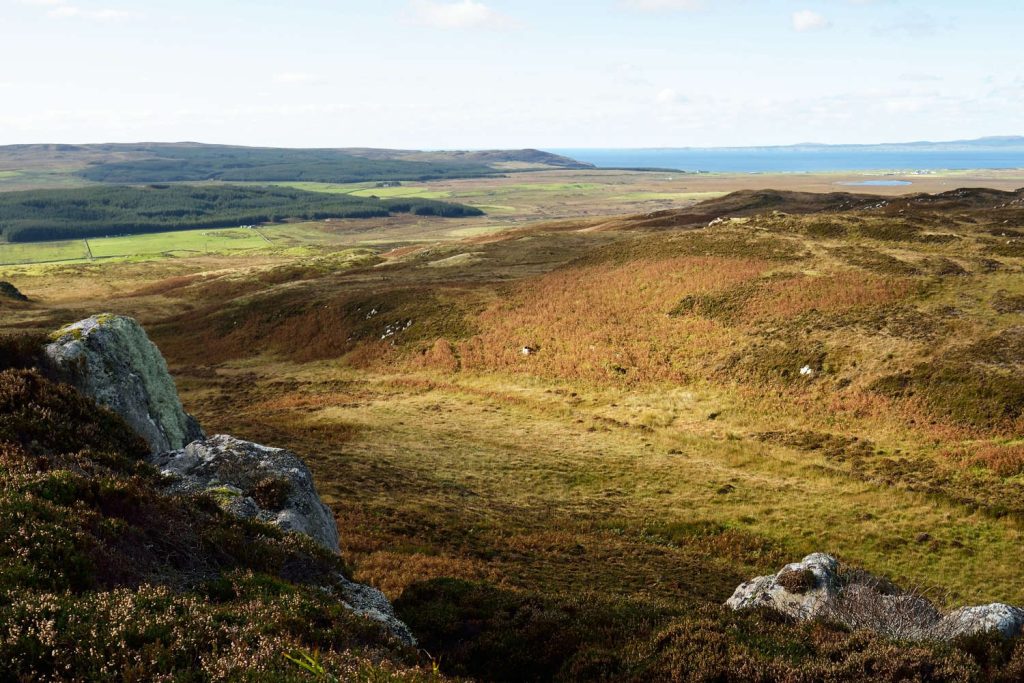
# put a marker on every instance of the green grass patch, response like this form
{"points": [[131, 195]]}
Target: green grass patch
{"points": [[42, 252], [179, 242]]}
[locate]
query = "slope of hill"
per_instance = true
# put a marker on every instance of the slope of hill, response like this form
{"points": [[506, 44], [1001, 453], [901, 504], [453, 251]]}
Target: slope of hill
{"points": [[105, 576]]}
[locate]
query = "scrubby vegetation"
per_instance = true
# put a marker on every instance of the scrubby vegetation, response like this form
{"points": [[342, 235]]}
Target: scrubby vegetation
{"points": [[102, 577], [101, 211], [559, 457], [497, 635]]}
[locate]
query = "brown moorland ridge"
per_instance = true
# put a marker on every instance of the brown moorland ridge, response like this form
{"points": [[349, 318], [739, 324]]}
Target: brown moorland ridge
{"points": [[753, 202]]}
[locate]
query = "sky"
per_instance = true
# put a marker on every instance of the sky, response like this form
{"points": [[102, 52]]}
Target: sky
{"points": [[475, 74]]}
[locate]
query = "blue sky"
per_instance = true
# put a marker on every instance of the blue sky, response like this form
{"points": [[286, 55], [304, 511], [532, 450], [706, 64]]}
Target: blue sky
{"points": [[510, 73]]}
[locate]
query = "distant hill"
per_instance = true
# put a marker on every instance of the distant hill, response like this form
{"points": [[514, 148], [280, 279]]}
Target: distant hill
{"points": [[193, 162], [988, 143]]}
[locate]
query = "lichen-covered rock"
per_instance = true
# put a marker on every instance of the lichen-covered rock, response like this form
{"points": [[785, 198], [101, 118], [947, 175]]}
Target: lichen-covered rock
{"points": [[371, 603], [969, 621], [800, 590], [110, 359], [249, 480]]}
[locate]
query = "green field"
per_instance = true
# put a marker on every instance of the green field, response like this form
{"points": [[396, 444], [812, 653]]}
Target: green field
{"points": [[406, 190], [178, 243], [42, 252]]}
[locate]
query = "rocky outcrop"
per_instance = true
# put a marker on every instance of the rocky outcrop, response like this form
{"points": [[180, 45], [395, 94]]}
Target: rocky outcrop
{"points": [[815, 588], [249, 480], [110, 359]]}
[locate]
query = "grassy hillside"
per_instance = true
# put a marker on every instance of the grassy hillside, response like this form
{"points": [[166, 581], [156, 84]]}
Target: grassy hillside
{"points": [[99, 211], [581, 512]]}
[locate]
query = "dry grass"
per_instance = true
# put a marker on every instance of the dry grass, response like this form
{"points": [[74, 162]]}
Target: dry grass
{"points": [[835, 292], [599, 323]]}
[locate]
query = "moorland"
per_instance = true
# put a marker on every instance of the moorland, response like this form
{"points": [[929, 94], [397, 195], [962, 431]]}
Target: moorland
{"points": [[558, 435]]}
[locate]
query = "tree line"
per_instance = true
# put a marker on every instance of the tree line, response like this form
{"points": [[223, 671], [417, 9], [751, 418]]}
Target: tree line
{"points": [[41, 215]]}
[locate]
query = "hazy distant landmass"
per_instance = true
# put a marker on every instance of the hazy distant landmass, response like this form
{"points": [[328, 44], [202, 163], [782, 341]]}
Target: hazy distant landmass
{"points": [[983, 153]]}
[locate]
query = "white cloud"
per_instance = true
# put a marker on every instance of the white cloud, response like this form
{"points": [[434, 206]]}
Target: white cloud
{"points": [[669, 96], [809, 20], [660, 5], [462, 14], [62, 9]]}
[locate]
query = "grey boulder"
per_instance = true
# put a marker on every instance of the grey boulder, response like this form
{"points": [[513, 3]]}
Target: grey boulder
{"points": [[110, 359], [800, 590], [249, 480], [370, 603], [815, 589]]}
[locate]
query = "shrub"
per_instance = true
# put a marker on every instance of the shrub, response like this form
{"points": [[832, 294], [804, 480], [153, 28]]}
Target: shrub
{"points": [[798, 580]]}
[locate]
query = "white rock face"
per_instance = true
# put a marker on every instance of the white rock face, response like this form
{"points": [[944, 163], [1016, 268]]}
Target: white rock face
{"points": [[110, 359], [807, 603], [817, 591], [235, 471]]}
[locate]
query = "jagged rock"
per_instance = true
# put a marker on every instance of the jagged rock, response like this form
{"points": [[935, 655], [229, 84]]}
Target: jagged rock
{"points": [[800, 590], [9, 291], [271, 484], [815, 589], [110, 359]]}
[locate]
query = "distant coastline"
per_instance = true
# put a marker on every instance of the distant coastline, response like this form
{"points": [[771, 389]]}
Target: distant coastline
{"points": [[984, 153]]}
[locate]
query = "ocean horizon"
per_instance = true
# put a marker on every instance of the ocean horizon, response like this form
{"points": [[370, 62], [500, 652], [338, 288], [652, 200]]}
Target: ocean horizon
{"points": [[804, 158]]}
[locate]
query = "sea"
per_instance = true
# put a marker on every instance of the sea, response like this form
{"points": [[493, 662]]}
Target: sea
{"points": [[803, 159]]}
